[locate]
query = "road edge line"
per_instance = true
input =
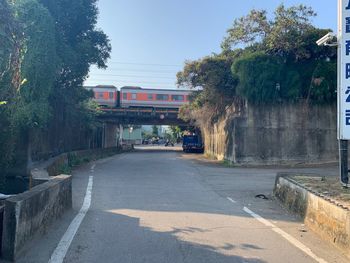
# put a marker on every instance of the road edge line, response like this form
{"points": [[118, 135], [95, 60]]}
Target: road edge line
{"points": [[231, 200], [62, 248], [295, 242]]}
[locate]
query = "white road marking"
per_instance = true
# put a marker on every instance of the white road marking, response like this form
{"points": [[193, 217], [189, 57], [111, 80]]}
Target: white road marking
{"points": [[231, 200], [92, 169], [62, 248], [285, 235]]}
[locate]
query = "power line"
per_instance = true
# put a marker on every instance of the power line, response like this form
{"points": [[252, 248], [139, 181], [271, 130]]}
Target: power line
{"points": [[143, 70], [136, 76], [143, 64]]}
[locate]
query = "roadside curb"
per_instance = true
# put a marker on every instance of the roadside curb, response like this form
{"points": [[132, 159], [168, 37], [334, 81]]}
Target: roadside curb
{"points": [[322, 214]]}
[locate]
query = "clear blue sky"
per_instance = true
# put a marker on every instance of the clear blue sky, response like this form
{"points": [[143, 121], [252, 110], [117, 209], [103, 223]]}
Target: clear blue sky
{"points": [[151, 39]]}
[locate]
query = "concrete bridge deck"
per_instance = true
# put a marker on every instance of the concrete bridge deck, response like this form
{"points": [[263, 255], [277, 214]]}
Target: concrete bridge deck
{"points": [[141, 116]]}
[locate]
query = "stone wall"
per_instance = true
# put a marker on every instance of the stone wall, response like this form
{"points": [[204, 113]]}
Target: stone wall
{"points": [[285, 133], [32, 211]]}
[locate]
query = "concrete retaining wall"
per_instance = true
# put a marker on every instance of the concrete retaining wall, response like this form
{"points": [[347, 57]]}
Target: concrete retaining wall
{"points": [[325, 217], [274, 134], [32, 211]]}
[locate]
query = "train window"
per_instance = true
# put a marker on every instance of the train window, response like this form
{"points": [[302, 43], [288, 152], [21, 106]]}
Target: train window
{"points": [[162, 97], [177, 97], [111, 95], [150, 96], [125, 96], [100, 95], [133, 96]]}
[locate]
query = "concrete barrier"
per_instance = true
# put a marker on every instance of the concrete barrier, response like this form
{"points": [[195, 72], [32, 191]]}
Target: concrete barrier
{"points": [[43, 171], [321, 214], [33, 211]]}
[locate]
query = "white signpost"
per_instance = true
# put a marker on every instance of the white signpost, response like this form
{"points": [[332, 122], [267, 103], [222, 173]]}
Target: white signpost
{"points": [[343, 86], [344, 69]]}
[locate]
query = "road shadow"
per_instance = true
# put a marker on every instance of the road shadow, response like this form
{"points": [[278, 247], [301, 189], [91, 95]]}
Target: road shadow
{"points": [[129, 241], [152, 208]]}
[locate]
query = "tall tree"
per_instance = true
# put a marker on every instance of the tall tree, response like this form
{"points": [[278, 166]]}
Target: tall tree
{"points": [[39, 63], [290, 34], [79, 45], [9, 61], [212, 76]]}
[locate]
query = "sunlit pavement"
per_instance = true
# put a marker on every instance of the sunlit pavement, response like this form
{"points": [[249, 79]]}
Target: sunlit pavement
{"points": [[159, 205]]}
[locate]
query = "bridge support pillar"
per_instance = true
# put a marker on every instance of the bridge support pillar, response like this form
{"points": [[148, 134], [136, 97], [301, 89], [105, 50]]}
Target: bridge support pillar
{"points": [[121, 130], [110, 135]]}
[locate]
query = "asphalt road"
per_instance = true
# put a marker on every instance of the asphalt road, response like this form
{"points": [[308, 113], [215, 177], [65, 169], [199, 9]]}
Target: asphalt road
{"points": [[162, 206]]}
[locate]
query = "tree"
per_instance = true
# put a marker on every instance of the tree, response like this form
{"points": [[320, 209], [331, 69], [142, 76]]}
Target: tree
{"points": [[155, 131], [212, 75], [79, 44], [46, 50], [323, 88], [39, 63], [9, 42], [176, 132], [9, 69], [287, 44], [248, 29], [289, 35], [288, 29]]}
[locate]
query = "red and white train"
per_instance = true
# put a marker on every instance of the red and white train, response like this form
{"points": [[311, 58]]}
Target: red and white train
{"points": [[136, 97]]}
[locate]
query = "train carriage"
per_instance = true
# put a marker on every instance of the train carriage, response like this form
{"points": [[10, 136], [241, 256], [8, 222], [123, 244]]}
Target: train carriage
{"points": [[105, 95], [153, 98], [136, 97]]}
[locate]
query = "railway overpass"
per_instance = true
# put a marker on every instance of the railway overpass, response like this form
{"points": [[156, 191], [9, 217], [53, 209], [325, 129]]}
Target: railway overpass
{"points": [[115, 119], [141, 116]]}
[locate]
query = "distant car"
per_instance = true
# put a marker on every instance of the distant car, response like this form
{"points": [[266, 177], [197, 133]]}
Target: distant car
{"points": [[145, 141], [161, 141], [156, 141]]}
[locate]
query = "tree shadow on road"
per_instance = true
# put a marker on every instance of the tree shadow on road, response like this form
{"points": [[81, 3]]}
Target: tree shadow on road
{"points": [[129, 241]]}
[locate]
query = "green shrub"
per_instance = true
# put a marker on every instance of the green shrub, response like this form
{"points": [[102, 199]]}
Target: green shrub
{"points": [[259, 77]]}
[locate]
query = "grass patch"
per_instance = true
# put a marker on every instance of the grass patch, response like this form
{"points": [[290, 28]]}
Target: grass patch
{"points": [[327, 185], [74, 160], [227, 163], [64, 169]]}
